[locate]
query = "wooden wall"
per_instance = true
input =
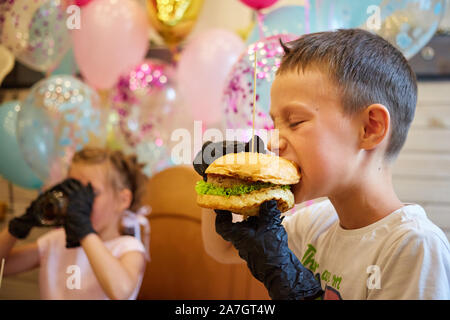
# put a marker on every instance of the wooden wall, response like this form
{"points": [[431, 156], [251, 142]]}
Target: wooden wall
{"points": [[422, 170]]}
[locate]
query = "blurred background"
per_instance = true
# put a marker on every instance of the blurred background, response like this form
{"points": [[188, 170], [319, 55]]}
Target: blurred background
{"points": [[135, 71]]}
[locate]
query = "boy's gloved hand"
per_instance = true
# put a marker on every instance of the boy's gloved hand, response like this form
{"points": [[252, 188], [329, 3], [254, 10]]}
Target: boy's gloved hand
{"points": [[214, 150], [78, 218], [262, 242]]}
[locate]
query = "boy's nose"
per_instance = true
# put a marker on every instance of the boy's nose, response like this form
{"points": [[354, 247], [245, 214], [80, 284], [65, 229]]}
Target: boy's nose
{"points": [[276, 143]]}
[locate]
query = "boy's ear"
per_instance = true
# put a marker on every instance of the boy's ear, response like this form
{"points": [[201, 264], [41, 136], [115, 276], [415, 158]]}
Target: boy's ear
{"points": [[375, 126], [125, 198]]}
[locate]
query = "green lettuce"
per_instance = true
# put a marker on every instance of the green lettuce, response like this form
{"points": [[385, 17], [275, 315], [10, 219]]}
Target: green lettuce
{"points": [[203, 187]]}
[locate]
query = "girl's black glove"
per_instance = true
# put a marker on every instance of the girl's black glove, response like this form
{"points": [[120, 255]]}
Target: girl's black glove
{"points": [[77, 222], [262, 242], [21, 226]]}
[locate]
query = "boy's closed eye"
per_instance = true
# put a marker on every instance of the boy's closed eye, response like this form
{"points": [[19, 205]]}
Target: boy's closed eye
{"points": [[294, 124]]}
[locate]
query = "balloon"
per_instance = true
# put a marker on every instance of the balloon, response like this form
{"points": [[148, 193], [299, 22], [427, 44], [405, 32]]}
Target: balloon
{"points": [[202, 71], [283, 20], [148, 109], [258, 4], [331, 15], [67, 65], [36, 33], [5, 6], [173, 19], [113, 38], [59, 116], [6, 62], [12, 165], [238, 93], [407, 24], [82, 3]]}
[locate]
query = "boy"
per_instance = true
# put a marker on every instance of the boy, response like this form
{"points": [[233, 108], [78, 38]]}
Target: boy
{"points": [[343, 102]]}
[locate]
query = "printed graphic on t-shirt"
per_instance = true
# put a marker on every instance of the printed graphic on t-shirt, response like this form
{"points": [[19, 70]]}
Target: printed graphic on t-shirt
{"points": [[332, 281]]}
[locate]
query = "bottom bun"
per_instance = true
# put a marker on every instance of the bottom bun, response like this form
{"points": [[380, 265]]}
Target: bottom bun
{"points": [[248, 204]]}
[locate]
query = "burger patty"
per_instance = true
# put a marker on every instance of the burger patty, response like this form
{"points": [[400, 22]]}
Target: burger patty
{"points": [[227, 182]]}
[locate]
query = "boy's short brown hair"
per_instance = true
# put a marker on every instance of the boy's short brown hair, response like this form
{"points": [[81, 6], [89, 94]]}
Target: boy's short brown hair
{"points": [[366, 69]]}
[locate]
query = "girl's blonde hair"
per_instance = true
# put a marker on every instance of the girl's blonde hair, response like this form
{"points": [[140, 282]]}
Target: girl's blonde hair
{"points": [[123, 172]]}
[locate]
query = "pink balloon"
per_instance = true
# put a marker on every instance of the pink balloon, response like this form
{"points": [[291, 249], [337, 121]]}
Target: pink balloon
{"points": [[82, 3], [202, 71], [113, 37], [259, 4]]}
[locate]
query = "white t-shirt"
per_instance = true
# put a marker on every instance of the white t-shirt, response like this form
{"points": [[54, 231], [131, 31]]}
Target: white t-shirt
{"points": [[402, 256], [66, 274]]}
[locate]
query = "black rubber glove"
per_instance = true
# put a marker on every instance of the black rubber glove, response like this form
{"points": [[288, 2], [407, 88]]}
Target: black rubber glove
{"points": [[77, 222], [262, 242], [214, 150], [21, 226]]}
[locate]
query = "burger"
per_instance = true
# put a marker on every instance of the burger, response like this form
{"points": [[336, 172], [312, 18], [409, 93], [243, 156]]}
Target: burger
{"points": [[241, 182]]}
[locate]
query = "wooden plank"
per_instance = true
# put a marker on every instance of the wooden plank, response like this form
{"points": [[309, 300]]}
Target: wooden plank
{"points": [[437, 117], [422, 191], [439, 214], [422, 165], [428, 140], [435, 91]]}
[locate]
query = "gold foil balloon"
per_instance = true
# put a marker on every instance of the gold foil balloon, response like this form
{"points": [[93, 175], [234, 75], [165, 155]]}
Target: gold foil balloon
{"points": [[6, 62], [173, 19]]}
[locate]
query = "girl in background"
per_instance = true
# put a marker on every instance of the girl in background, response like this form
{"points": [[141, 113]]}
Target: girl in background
{"points": [[92, 256]]}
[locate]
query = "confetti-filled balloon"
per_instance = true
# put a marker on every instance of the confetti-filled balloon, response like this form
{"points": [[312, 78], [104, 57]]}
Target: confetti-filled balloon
{"points": [[5, 6], [173, 19], [148, 110], [238, 94], [36, 32], [407, 24], [59, 117], [155, 157], [12, 164]]}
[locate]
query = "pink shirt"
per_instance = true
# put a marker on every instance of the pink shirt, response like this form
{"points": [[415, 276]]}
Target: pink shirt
{"points": [[66, 274]]}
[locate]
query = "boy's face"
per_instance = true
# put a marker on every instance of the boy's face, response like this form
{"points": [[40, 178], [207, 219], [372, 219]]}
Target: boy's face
{"points": [[314, 133]]}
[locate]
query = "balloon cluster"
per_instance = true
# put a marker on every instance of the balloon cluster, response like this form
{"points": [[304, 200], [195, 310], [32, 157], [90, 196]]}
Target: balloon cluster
{"points": [[128, 101], [40, 134], [408, 25]]}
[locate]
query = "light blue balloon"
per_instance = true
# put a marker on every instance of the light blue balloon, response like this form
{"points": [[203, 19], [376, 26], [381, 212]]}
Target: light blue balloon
{"points": [[58, 117], [284, 20], [324, 15], [327, 15], [67, 65], [36, 139], [407, 24], [12, 164]]}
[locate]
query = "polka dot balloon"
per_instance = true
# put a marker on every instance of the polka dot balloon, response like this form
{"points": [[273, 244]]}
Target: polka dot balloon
{"points": [[59, 116], [238, 93]]}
